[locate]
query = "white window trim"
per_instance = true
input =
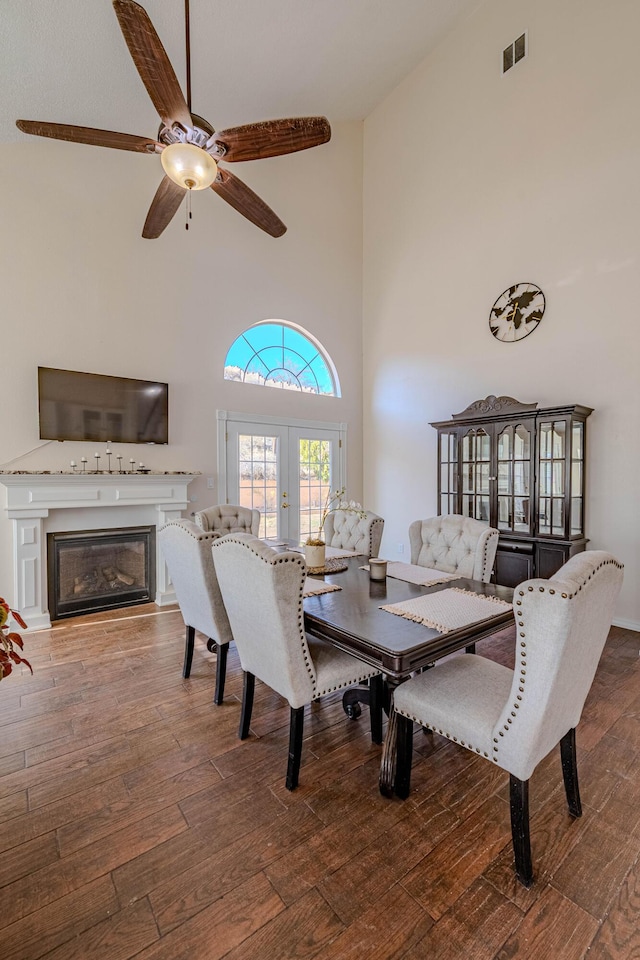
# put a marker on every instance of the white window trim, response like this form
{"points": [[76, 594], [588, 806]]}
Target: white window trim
{"points": [[223, 416]]}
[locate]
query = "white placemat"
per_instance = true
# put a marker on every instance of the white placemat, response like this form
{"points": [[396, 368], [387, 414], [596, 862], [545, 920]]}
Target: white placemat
{"points": [[447, 610], [313, 587], [335, 553], [412, 573]]}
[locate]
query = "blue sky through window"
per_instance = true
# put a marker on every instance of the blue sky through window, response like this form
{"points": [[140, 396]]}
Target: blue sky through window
{"points": [[276, 355]]}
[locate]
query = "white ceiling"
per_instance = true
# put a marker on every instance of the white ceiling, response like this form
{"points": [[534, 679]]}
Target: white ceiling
{"points": [[66, 60]]}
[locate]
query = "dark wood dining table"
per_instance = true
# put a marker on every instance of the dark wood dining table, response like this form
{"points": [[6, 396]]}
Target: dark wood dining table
{"points": [[351, 619]]}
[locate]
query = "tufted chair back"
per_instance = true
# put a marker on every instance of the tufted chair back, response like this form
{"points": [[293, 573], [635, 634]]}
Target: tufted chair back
{"points": [[267, 619], [227, 518], [187, 552], [263, 594], [514, 718], [349, 531], [454, 544], [563, 624]]}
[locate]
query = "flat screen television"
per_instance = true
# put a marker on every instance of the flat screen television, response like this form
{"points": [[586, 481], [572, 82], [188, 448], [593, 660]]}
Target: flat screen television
{"points": [[90, 406]]}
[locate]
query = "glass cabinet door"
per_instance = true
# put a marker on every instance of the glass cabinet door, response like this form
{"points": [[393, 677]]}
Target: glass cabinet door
{"points": [[577, 480], [514, 479], [551, 477], [448, 472], [476, 469]]}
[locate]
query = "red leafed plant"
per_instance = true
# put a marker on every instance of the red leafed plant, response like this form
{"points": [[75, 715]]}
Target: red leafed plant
{"points": [[10, 639]]}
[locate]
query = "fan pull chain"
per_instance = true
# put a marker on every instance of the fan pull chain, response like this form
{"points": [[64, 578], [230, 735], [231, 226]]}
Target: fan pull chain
{"points": [[188, 210]]}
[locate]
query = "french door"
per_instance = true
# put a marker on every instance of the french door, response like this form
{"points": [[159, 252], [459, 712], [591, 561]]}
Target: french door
{"points": [[283, 469]]}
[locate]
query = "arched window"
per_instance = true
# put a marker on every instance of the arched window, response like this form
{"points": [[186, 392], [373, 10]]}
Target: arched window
{"points": [[274, 354]]}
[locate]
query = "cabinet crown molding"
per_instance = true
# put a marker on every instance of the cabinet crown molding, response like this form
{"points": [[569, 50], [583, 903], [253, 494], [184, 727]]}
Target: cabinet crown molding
{"points": [[493, 404]]}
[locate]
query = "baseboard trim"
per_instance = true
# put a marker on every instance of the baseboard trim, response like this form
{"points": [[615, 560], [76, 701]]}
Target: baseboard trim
{"points": [[627, 624]]}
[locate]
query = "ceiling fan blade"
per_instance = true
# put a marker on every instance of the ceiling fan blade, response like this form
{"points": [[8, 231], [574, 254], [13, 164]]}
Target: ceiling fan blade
{"points": [[163, 207], [273, 138], [96, 138], [152, 63], [248, 203]]}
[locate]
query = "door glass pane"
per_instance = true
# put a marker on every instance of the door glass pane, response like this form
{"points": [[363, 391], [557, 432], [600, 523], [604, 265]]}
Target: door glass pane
{"points": [[558, 478], [504, 478], [483, 446], [558, 525], [544, 519], [258, 476], [545, 441], [467, 479], [576, 515], [505, 514], [545, 479], [522, 444], [505, 444], [482, 478], [521, 514], [577, 441], [444, 477], [482, 508], [576, 477], [467, 506], [468, 446], [314, 483], [559, 432], [521, 478]]}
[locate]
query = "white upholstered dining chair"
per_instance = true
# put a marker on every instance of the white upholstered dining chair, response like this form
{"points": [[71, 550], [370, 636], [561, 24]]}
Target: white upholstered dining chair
{"points": [[454, 544], [187, 552], [350, 530], [513, 718], [224, 518], [263, 595]]}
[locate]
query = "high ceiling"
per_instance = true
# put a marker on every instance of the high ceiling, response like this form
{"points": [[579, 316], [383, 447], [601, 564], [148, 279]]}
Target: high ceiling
{"points": [[66, 60]]}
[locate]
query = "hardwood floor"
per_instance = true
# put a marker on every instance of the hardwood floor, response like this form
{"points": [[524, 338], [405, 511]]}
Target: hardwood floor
{"points": [[135, 824]]}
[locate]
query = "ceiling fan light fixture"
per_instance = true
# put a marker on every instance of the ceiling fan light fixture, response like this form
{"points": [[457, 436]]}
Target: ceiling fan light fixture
{"points": [[189, 166]]}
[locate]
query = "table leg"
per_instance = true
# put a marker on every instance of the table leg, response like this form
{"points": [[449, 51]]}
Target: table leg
{"points": [[388, 762], [389, 755]]}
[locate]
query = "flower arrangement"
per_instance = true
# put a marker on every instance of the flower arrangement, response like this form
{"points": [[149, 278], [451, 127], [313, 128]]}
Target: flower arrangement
{"points": [[10, 639], [335, 500]]}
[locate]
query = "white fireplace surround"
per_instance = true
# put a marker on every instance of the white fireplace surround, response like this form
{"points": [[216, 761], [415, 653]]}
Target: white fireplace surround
{"points": [[42, 503]]}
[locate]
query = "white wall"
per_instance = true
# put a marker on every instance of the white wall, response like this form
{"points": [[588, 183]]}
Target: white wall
{"points": [[474, 181], [80, 289]]}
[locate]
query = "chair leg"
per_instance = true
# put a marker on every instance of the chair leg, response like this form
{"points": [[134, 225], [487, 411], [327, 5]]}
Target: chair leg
{"points": [[221, 672], [296, 727], [375, 707], [570, 772], [519, 800], [188, 652], [403, 760], [247, 705]]}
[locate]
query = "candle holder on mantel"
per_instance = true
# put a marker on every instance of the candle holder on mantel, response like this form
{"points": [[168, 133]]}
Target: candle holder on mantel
{"points": [[83, 461], [119, 459], [108, 456], [97, 456], [132, 464]]}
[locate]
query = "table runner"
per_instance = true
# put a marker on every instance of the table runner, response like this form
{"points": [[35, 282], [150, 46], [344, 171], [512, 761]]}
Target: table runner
{"points": [[447, 610], [412, 573], [313, 587]]}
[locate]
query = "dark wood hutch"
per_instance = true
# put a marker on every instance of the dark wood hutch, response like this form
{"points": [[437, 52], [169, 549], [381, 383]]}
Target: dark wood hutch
{"points": [[521, 469]]}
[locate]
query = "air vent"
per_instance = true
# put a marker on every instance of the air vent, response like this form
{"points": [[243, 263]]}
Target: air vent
{"points": [[515, 52]]}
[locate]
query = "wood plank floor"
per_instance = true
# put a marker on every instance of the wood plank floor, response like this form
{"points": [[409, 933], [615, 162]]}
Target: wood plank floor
{"points": [[134, 823]]}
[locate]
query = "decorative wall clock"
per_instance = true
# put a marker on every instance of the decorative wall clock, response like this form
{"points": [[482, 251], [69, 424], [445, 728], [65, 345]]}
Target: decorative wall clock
{"points": [[517, 312]]}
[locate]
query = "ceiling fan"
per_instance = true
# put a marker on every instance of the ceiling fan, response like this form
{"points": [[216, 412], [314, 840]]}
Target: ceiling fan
{"points": [[189, 147]]}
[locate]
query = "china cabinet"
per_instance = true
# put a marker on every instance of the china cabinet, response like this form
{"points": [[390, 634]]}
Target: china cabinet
{"points": [[521, 469]]}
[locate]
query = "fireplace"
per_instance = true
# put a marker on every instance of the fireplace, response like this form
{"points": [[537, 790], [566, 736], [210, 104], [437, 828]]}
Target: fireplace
{"points": [[92, 570]]}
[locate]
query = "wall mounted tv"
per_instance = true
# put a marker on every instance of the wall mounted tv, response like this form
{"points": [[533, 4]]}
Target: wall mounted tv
{"points": [[90, 406]]}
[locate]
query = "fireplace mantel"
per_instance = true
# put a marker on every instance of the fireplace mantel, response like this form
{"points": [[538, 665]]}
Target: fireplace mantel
{"points": [[38, 503]]}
